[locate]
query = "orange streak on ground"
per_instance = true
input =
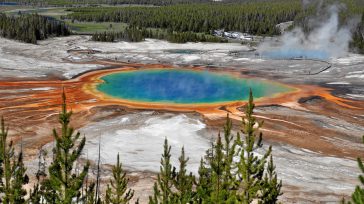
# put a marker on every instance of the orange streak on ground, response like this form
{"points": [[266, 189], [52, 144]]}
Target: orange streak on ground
{"points": [[29, 103], [82, 94]]}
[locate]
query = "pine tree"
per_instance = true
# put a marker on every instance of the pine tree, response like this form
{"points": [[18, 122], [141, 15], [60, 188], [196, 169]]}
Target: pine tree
{"points": [[163, 187], [183, 182], [271, 187], [19, 178], [36, 194], [6, 152], [251, 168], [63, 185], [217, 180], [358, 195], [89, 197], [117, 191], [217, 168], [229, 147], [12, 170], [203, 184]]}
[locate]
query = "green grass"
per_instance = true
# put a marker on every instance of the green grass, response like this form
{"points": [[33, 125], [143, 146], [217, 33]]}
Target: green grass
{"points": [[55, 13], [51, 12], [76, 27], [92, 27], [11, 8]]}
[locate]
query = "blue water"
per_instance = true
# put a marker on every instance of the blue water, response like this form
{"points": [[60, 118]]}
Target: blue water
{"points": [[8, 3], [183, 51], [296, 53], [184, 86]]}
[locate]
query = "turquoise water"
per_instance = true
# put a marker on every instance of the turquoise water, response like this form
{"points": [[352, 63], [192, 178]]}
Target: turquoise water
{"points": [[183, 51], [8, 3], [184, 86], [296, 54]]}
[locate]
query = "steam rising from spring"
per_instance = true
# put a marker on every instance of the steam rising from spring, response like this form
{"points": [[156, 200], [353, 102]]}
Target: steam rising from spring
{"points": [[327, 40]]}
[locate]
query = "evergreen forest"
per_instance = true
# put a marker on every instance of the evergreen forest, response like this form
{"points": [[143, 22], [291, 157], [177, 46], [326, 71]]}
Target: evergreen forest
{"points": [[121, 2], [358, 38], [31, 28], [134, 34], [180, 20], [257, 18]]}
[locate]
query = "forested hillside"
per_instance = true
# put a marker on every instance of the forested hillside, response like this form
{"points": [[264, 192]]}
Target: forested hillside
{"points": [[257, 18], [358, 37], [189, 20], [133, 34], [109, 2], [119, 2], [30, 28], [351, 16]]}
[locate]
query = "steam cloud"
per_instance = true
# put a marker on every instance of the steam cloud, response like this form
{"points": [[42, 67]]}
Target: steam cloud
{"points": [[327, 40]]}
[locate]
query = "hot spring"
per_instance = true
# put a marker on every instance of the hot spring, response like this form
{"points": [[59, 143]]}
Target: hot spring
{"points": [[182, 86], [183, 51], [295, 54]]}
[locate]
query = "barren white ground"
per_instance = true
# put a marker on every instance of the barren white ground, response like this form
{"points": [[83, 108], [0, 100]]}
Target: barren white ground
{"points": [[56, 57], [139, 140]]}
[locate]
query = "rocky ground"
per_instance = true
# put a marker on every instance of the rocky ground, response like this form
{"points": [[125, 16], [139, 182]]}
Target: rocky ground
{"points": [[307, 175], [315, 142], [69, 56]]}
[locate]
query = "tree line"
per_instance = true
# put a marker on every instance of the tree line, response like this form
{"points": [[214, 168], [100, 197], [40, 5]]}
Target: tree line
{"points": [[230, 172], [129, 34], [253, 18], [133, 34], [357, 43], [108, 2], [182, 23], [121, 2], [353, 9], [183, 37], [30, 28]]}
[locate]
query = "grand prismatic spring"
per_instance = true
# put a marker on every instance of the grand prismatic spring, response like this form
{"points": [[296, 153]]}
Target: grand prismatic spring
{"points": [[134, 75], [195, 100], [185, 86]]}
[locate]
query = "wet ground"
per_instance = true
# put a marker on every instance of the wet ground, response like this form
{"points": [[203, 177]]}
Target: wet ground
{"points": [[315, 141]]}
